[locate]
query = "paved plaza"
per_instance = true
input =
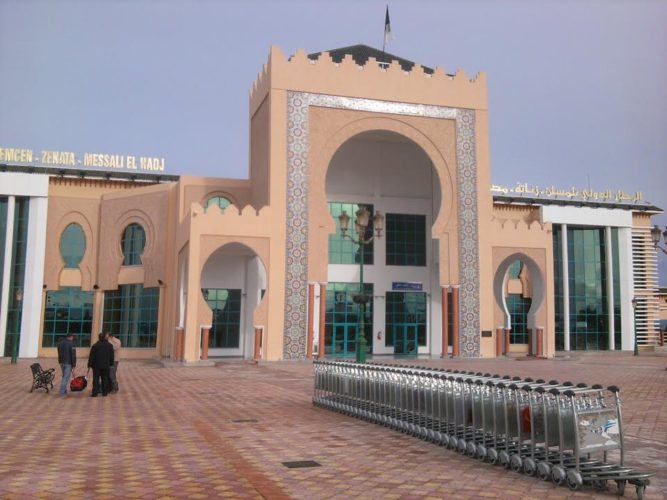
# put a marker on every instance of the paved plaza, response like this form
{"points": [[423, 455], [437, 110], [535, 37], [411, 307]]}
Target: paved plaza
{"points": [[224, 431]]}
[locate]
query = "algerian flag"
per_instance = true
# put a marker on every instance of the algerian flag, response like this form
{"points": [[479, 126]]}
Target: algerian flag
{"points": [[387, 30]]}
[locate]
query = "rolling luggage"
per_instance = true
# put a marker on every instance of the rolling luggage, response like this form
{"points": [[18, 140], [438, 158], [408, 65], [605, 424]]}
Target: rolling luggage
{"points": [[78, 383]]}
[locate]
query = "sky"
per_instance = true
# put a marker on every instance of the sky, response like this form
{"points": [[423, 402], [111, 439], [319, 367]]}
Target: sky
{"points": [[577, 89]]}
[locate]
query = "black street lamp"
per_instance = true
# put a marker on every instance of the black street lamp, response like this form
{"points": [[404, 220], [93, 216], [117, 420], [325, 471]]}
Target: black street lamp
{"points": [[655, 236], [361, 223], [635, 302]]}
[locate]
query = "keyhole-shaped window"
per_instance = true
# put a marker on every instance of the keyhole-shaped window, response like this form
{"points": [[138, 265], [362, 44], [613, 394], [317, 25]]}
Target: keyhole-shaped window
{"points": [[132, 244], [72, 245]]}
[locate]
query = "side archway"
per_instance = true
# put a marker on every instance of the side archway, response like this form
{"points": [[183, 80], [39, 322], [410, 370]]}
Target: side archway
{"points": [[529, 283], [233, 286]]}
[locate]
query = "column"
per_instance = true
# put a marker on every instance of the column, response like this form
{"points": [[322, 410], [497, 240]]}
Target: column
{"points": [[445, 321], [311, 320], [31, 324], [540, 342], [566, 288], [610, 287], [98, 313], [7, 271], [456, 348], [205, 333], [531, 345], [499, 341], [323, 309], [258, 344], [507, 340]]}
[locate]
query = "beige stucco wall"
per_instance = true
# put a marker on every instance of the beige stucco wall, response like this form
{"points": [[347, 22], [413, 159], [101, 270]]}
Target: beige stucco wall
{"points": [[257, 230], [103, 208], [260, 138], [512, 236]]}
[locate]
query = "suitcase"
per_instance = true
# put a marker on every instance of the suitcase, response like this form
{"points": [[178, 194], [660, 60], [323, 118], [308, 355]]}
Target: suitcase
{"points": [[78, 384]]}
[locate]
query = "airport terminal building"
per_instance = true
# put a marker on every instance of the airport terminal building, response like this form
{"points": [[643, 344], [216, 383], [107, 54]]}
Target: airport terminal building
{"points": [[187, 268]]}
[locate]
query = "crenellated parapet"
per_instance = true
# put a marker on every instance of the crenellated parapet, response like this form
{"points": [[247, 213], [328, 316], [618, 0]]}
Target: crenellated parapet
{"points": [[386, 81], [246, 221], [520, 233]]}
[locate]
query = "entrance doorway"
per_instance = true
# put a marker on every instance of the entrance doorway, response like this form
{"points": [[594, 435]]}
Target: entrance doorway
{"points": [[226, 320], [406, 322], [342, 320]]}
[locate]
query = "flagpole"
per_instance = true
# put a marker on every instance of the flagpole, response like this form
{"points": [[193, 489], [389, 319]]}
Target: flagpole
{"points": [[387, 34]]}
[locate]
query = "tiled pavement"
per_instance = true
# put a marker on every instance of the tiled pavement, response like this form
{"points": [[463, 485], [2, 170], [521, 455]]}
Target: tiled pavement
{"points": [[224, 431]]}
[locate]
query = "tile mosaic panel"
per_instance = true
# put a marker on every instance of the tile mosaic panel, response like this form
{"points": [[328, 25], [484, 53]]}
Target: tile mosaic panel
{"points": [[296, 260]]}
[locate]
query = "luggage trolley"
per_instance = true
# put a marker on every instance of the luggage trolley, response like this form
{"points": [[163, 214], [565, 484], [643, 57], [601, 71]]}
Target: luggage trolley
{"points": [[558, 432]]}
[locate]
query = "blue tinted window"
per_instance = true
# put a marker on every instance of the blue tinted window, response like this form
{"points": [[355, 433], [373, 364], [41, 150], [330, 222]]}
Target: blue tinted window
{"points": [[132, 243], [68, 310], [72, 245], [219, 201], [131, 314]]}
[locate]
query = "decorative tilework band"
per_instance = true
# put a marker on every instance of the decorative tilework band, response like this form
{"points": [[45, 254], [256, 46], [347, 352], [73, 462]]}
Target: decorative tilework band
{"points": [[296, 259]]}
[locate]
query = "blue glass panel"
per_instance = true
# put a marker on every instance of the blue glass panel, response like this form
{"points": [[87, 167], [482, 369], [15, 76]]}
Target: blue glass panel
{"points": [[72, 246]]}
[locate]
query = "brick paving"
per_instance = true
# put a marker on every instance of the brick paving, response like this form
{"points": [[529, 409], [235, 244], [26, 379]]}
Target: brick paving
{"points": [[224, 432]]}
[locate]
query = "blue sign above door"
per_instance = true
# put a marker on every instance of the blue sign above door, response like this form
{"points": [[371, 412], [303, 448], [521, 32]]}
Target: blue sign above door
{"points": [[406, 285]]}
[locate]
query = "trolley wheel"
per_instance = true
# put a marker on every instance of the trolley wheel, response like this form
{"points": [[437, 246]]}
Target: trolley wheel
{"points": [[557, 475], [462, 446], [544, 471], [504, 458], [516, 464], [640, 488], [471, 449], [574, 479], [620, 487], [529, 466], [481, 452], [452, 443], [599, 484], [492, 456]]}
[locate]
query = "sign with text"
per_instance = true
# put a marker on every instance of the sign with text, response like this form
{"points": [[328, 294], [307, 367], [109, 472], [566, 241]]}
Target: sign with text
{"points": [[49, 158], [585, 194], [406, 286]]}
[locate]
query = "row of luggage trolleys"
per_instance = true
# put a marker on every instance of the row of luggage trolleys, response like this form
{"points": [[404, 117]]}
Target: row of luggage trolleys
{"points": [[565, 433]]}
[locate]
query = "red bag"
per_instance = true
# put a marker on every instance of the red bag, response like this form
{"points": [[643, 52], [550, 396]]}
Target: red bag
{"points": [[78, 384]]}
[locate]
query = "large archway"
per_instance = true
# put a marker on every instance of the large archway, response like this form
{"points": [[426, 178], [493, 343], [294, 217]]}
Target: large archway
{"points": [[387, 172], [233, 283]]}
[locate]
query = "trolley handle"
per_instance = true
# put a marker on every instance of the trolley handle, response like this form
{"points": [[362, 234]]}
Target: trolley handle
{"points": [[613, 388]]}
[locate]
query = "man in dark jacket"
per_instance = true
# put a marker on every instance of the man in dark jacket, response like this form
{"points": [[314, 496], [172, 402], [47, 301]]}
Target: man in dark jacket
{"points": [[66, 359], [100, 360]]}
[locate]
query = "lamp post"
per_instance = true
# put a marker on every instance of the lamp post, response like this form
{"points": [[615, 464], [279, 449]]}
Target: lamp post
{"points": [[635, 302], [655, 236], [361, 224], [17, 316]]}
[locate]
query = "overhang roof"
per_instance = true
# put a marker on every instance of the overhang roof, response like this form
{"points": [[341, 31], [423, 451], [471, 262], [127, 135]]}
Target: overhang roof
{"points": [[89, 174], [361, 53], [535, 201]]}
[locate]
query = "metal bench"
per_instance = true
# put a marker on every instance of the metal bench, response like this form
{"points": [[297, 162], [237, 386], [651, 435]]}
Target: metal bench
{"points": [[41, 379]]}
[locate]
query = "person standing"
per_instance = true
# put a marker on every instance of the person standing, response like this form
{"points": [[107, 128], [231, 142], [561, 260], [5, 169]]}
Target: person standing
{"points": [[66, 359], [101, 360], [115, 342]]}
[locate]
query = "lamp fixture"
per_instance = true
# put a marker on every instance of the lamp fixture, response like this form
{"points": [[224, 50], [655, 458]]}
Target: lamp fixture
{"points": [[655, 236]]}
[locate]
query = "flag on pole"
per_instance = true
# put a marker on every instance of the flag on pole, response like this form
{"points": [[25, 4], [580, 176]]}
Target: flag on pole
{"points": [[387, 30]]}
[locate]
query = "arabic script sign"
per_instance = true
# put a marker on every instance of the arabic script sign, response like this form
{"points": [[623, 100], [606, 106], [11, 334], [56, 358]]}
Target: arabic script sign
{"points": [[523, 189]]}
